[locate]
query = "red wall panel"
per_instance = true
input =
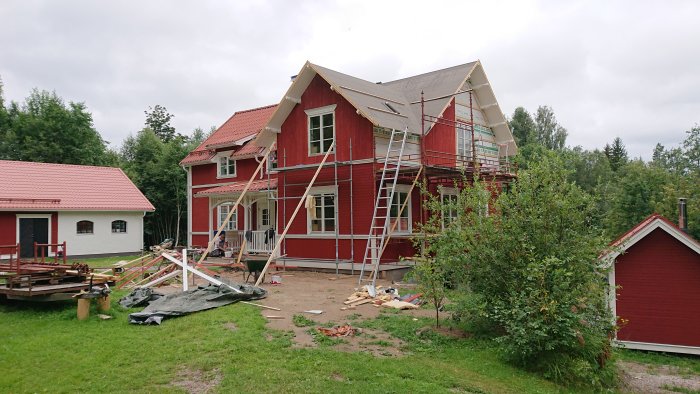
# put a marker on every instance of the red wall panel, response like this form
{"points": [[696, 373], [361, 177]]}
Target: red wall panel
{"points": [[442, 138], [292, 142], [660, 294], [8, 229]]}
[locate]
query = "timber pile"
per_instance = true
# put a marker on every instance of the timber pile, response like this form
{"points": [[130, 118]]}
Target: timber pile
{"points": [[388, 298], [151, 270]]}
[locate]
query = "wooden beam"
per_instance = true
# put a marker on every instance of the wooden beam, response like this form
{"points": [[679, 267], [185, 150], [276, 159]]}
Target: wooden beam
{"points": [[294, 215], [198, 273], [235, 207]]}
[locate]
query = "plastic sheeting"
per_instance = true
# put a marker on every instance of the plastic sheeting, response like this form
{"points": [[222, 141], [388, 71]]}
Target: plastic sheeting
{"points": [[195, 300]]}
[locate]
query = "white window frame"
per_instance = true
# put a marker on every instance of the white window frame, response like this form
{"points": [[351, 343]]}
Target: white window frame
{"points": [[265, 217], [32, 216], [126, 226], [310, 113], [232, 225], [450, 214], [323, 191], [406, 190], [229, 161]]}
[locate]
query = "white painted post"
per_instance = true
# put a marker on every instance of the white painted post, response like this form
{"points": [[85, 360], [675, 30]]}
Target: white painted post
{"points": [[185, 285]]}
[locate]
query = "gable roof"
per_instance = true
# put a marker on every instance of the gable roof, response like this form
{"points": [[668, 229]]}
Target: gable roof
{"points": [[644, 228], [396, 104], [240, 128], [30, 186]]}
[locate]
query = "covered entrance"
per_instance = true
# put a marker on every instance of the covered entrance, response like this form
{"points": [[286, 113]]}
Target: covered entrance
{"points": [[255, 218]]}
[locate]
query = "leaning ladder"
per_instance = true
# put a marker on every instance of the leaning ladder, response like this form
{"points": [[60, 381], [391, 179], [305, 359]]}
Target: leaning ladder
{"points": [[382, 206]]}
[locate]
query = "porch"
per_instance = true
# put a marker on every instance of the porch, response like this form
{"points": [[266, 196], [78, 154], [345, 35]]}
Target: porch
{"points": [[253, 224]]}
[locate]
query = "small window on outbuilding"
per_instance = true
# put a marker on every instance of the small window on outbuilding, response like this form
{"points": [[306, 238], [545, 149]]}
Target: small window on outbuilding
{"points": [[119, 226], [85, 227]]}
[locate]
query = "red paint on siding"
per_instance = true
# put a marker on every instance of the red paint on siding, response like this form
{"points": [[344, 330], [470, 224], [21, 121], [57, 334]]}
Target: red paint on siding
{"points": [[442, 139], [200, 219], [660, 294], [205, 174], [8, 229], [293, 140]]}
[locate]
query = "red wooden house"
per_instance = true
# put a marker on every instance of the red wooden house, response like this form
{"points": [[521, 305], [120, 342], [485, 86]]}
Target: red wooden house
{"points": [[656, 274], [362, 207]]}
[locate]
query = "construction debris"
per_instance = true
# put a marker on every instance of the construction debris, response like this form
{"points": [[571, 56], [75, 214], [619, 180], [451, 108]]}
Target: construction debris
{"points": [[338, 331], [382, 297]]}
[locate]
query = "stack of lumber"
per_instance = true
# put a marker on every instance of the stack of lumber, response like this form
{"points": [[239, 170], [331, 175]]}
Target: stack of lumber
{"points": [[375, 297]]}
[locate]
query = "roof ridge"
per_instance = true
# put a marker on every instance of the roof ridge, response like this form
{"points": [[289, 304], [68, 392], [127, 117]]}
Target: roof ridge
{"points": [[253, 109], [431, 72]]}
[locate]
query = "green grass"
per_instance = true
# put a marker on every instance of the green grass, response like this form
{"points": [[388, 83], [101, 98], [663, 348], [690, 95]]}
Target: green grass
{"points": [[44, 348], [103, 262]]}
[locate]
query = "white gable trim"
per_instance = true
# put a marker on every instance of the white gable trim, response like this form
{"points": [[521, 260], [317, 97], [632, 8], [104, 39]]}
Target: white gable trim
{"points": [[646, 230]]}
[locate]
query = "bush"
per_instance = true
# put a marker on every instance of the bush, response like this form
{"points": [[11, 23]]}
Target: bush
{"points": [[531, 262]]}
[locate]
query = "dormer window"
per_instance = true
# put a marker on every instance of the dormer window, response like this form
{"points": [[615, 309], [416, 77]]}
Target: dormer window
{"points": [[227, 167], [321, 129]]}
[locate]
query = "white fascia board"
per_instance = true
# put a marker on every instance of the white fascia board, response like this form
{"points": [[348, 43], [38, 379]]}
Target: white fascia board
{"points": [[646, 230], [658, 347]]}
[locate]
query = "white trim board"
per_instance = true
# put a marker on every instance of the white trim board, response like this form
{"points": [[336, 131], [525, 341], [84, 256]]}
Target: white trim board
{"points": [[658, 347]]}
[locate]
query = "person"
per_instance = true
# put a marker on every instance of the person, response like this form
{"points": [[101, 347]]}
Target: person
{"points": [[219, 246]]}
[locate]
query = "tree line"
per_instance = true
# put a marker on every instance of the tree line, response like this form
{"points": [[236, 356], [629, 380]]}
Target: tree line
{"points": [[626, 189], [44, 128]]}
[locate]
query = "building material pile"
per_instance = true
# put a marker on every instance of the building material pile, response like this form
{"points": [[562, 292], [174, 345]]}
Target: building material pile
{"points": [[377, 296]]}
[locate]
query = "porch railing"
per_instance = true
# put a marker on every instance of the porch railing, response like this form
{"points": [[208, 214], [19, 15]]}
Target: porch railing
{"points": [[256, 242]]}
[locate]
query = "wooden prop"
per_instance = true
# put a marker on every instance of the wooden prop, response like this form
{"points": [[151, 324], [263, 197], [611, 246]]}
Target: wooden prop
{"points": [[294, 215], [185, 268], [235, 206]]}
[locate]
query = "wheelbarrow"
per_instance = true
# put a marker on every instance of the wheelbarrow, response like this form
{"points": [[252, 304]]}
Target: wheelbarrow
{"points": [[254, 266]]}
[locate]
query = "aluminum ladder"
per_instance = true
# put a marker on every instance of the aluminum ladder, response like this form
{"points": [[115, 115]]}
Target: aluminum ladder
{"points": [[382, 206]]}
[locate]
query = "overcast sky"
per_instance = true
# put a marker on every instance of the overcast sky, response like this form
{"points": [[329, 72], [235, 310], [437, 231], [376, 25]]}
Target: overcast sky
{"points": [[608, 68]]}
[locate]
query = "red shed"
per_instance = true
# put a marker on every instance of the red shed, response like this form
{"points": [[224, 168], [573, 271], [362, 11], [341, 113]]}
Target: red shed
{"points": [[657, 276]]}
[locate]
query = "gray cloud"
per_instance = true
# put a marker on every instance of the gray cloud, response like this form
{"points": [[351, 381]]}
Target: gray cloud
{"points": [[627, 69]]}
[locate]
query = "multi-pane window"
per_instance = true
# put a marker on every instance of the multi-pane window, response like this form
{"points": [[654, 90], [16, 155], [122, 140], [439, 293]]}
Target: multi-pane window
{"points": [[403, 224], [272, 161], [265, 217], [321, 131], [464, 142], [85, 227], [227, 167], [119, 226], [224, 209], [449, 209], [323, 213]]}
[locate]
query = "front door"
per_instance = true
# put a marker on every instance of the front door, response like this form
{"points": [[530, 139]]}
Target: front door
{"points": [[32, 230], [265, 215]]}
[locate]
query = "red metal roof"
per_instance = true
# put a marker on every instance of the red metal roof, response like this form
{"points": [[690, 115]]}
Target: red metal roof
{"points": [[237, 187], [61, 187], [241, 125]]}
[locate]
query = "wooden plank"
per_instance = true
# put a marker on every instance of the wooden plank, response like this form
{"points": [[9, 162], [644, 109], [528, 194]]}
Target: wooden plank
{"points": [[363, 301], [294, 215]]}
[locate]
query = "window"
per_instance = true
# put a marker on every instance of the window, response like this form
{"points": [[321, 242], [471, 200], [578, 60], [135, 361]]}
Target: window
{"points": [[322, 212], [272, 161], [227, 167], [464, 143], [265, 217], [85, 227], [404, 220], [224, 209], [449, 213], [119, 226], [321, 129]]}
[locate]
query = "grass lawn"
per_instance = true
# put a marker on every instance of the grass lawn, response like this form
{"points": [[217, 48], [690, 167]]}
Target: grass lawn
{"points": [[45, 348], [102, 262]]}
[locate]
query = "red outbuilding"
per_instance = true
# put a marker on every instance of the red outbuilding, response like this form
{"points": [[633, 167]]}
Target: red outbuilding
{"points": [[656, 277]]}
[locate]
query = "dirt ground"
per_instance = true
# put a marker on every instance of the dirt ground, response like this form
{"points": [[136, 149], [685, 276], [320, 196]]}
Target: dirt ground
{"points": [[645, 378], [303, 291]]}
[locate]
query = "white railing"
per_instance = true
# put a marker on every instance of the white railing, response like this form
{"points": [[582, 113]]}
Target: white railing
{"points": [[256, 242]]}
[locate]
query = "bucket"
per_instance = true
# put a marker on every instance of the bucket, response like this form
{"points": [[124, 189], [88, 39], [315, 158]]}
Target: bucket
{"points": [[228, 253]]}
